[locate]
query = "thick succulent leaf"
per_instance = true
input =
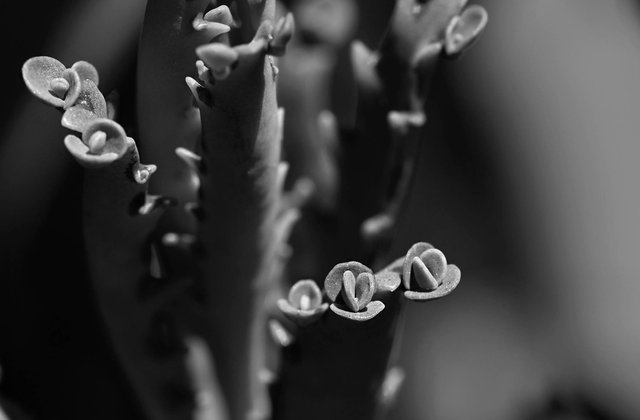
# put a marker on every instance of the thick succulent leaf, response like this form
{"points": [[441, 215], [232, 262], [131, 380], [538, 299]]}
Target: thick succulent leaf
{"points": [[305, 294], [334, 280], [357, 292], [38, 72], [373, 309], [113, 143], [348, 291], [365, 289], [89, 106], [221, 14], [86, 71], [449, 283], [389, 278], [415, 251]]}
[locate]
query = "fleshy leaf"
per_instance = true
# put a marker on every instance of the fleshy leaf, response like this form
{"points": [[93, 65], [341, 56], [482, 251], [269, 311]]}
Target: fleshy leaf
{"points": [[348, 291], [415, 251], [86, 71], [80, 152], [424, 267], [103, 142], [435, 261], [304, 304], [214, 29], [115, 141], [89, 106], [357, 292], [373, 309], [333, 281], [422, 275], [38, 73], [305, 295], [365, 289], [449, 283], [299, 316]]}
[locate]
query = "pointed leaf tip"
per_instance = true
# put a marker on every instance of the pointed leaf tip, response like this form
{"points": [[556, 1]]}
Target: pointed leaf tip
{"points": [[214, 29], [220, 14], [365, 289], [217, 56], [201, 95]]}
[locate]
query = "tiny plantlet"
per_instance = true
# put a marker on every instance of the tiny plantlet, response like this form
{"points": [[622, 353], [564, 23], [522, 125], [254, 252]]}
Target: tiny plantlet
{"points": [[193, 257]]}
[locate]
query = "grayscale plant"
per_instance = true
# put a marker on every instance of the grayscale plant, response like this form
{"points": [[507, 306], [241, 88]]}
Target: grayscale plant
{"points": [[192, 257]]}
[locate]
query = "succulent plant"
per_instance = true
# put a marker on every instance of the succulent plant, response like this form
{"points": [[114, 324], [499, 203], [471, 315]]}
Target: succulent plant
{"points": [[196, 280]]}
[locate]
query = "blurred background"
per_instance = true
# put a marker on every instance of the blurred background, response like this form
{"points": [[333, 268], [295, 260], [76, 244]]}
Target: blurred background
{"points": [[528, 181]]}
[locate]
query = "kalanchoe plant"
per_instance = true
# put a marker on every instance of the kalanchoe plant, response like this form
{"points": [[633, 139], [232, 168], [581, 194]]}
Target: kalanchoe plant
{"points": [[350, 286], [189, 295], [426, 275], [74, 89], [353, 341], [304, 303]]}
